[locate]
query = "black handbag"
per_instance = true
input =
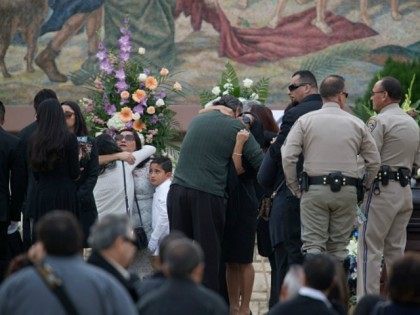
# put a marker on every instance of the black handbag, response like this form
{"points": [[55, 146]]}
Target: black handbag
{"points": [[264, 246], [139, 232]]}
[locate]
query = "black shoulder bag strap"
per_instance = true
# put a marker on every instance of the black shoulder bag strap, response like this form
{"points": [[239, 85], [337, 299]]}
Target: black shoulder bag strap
{"points": [[55, 284], [138, 210], [125, 191]]}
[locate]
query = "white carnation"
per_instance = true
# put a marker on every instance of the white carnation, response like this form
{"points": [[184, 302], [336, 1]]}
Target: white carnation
{"points": [[115, 122], [160, 102], [247, 83], [142, 51], [216, 90], [142, 77], [225, 92], [136, 116], [254, 96]]}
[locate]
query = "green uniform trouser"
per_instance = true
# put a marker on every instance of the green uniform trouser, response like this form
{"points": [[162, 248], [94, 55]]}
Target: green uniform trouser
{"points": [[384, 232], [151, 25], [327, 219]]}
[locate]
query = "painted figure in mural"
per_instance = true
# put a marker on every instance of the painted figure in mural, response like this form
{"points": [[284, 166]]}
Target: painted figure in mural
{"points": [[67, 19], [321, 6], [151, 24], [14, 17]]}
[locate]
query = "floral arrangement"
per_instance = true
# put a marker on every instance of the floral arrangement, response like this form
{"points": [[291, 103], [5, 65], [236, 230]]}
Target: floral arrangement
{"points": [[127, 94], [229, 85], [350, 265]]}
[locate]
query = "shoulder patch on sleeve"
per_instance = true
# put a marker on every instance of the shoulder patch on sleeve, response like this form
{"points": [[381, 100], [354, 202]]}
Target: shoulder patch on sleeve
{"points": [[372, 123]]}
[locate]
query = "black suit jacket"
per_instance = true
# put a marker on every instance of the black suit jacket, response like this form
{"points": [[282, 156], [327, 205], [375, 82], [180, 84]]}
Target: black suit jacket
{"points": [[97, 260], [22, 178], [302, 305], [271, 173], [180, 297], [8, 144]]}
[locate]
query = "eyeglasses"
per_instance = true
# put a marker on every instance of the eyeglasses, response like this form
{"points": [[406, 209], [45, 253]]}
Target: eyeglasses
{"points": [[373, 92], [293, 87], [346, 95], [124, 137], [68, 115]]}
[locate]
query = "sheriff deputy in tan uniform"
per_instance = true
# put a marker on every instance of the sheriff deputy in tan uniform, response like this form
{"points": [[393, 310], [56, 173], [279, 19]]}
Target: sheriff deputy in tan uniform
{"points": [[388, 205], [330, 140]]}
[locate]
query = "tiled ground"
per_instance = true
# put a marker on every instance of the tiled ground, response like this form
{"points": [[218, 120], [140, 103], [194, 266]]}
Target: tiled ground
{"points": [[261, 291]]}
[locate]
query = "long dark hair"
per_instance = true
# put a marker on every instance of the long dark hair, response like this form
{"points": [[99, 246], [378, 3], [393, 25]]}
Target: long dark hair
{"points": [[106, 145], [47, 145], [265, 116], [80, 128]]}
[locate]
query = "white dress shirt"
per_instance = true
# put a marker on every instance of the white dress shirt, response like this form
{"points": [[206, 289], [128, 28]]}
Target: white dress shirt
{"points": [[160, 222], [314, 294]]}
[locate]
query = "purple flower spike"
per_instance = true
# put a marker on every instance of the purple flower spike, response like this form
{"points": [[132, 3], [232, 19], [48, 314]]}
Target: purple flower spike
{"points": [[138, 109], [124, 56], [146, 71], [129, 124], [121, 86], [154, 120], [120, 74], [160, 94], [110, 109], [101, 55], [106, 66]]}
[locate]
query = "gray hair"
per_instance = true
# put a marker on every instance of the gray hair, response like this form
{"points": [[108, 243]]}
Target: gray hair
{"points": [[247, 104], [105, 231]]}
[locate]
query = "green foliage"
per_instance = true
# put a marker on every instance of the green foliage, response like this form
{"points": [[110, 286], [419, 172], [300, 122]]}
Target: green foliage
{"points": [[406, 73], [230, 84]]}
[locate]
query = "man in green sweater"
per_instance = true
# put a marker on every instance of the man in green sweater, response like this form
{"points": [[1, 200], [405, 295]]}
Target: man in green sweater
{"points": [[196, 200]]}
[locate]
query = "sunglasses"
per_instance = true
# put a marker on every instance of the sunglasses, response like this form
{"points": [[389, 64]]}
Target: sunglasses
{"points": [[68, 115], [293, 87], [124, 137]]}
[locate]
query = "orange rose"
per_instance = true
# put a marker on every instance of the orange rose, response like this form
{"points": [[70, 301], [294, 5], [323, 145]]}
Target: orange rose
{"points": [[125, 95], [139, 125], [150, 110], [138, 96], [126, 114], [151, 83]]}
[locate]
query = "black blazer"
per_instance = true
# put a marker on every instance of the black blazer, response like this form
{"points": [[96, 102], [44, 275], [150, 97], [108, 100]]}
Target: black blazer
{"points": [[180, 297], [302, 305], [8, 144], [23, 178], [270, 174], [97, 260]]}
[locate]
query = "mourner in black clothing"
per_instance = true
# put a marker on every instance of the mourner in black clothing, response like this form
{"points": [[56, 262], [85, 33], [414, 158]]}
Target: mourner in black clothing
{"points": [[8, 144], [23, 176], [182, 293], [284, 222]]}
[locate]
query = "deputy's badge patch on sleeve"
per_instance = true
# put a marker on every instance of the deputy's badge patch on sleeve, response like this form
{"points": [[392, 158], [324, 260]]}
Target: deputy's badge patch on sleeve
{"points": [[371, 123]]}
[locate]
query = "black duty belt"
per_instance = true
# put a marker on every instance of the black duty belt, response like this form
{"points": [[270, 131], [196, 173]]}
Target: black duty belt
{"points": [[326, 180], [391, 175]]}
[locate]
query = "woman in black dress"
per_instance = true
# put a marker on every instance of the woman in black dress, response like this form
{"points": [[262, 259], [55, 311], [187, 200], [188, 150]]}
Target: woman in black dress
{"points": [[89, 166], [54, 158]]}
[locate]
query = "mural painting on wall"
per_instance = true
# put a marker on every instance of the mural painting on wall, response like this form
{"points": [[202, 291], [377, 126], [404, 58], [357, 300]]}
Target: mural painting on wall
{"points": [[53, 43]]}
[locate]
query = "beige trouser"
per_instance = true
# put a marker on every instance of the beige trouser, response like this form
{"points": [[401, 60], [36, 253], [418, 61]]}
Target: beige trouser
{"points": [[327, 219], [384, 232]]}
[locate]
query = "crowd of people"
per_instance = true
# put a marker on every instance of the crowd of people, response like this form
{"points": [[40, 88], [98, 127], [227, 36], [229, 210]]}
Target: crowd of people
{"points": [[193, 228]]}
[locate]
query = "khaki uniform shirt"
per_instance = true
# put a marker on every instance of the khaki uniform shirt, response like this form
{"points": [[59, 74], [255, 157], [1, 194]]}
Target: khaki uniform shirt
{"points": [[397, 137], [330, 140]]}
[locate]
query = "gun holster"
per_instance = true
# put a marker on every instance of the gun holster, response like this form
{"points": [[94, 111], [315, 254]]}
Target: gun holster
{"points": [[404, 176], [335, 180], [360, 190], [384, 174], [304, 182]]}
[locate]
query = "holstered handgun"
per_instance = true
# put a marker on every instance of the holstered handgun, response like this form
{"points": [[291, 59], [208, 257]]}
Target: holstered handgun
{"points": [[304, 182], [360, 190], [335, 180], [404, 176], [384, 173]]}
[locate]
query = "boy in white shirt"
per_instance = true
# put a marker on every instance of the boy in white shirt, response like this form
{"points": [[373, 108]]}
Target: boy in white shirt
{"points": [[160, 173]]}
